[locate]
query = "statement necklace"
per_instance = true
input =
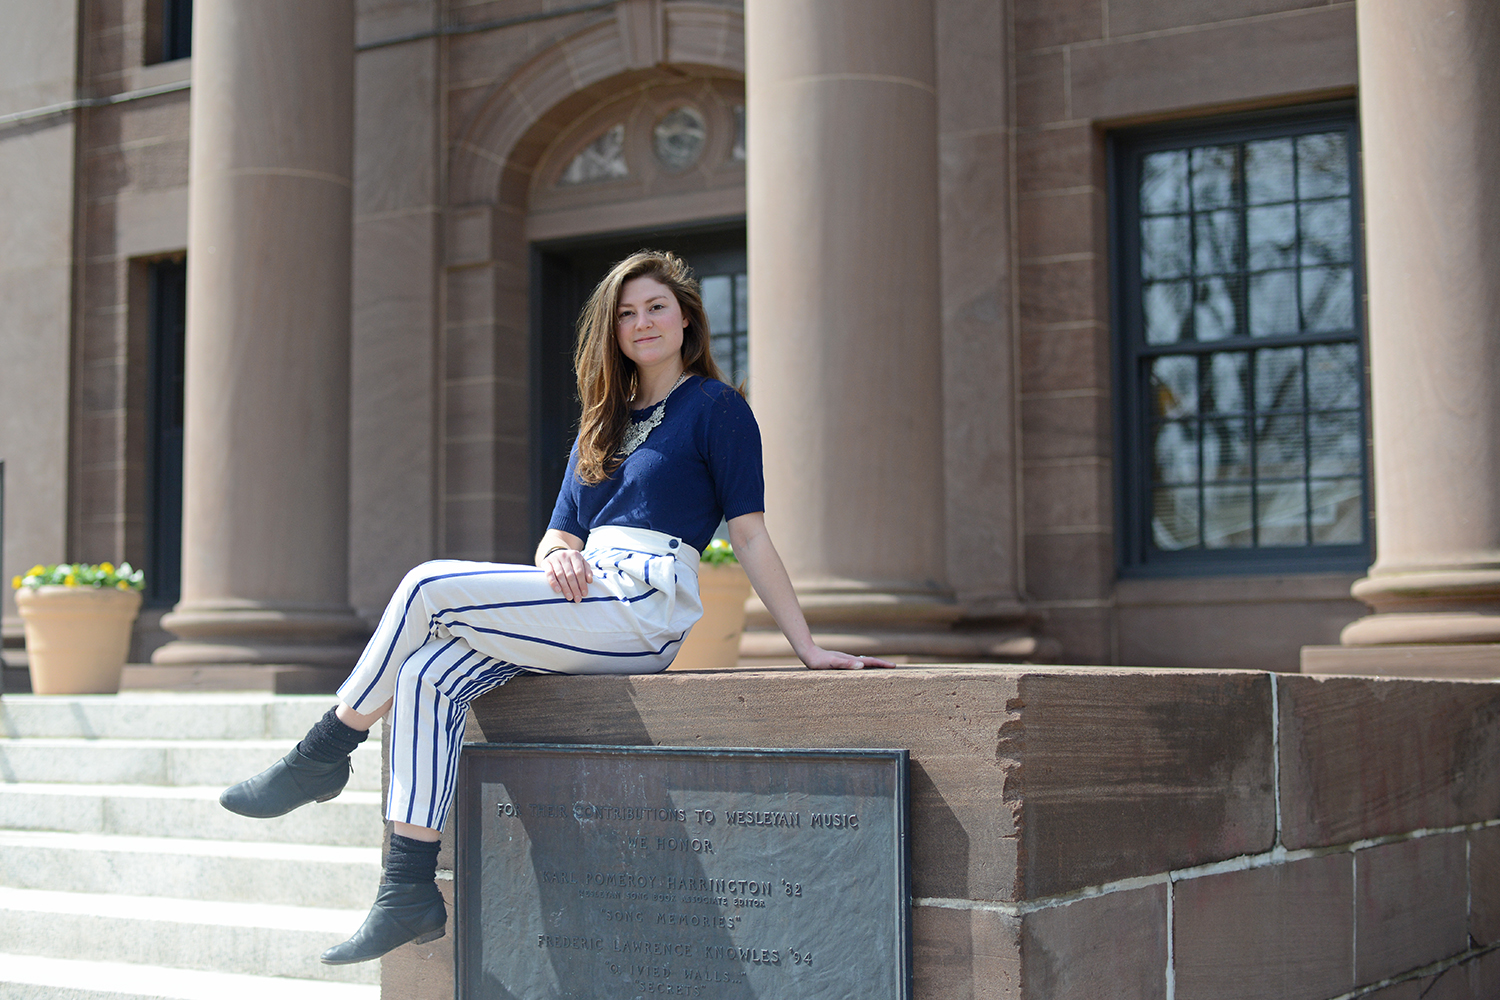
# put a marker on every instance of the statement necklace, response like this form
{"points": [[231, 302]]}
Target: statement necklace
{"points": [[637, 431]]}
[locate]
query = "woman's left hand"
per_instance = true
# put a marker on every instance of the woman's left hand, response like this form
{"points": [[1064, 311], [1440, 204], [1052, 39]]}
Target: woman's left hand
{"points": [[826, 659]]}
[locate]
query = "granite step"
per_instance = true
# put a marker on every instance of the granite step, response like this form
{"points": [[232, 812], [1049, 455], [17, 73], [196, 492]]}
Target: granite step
{"points": [[351, 820], [32, 977], [161, 715], [136, 883], [154, 761], [210, 870], [256, 939]]}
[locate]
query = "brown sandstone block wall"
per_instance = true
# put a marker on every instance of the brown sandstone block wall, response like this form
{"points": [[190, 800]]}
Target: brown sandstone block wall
{"points": [[1080, 69], [1102, 832], [1366, 758], [130, 208]]}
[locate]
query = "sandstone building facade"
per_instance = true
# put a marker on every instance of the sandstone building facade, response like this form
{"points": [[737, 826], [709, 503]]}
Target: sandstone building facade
{"points": [[1103, 331]]}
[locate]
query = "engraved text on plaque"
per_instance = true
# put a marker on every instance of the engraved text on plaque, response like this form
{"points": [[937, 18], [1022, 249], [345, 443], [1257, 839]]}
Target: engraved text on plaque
{"points": [[615, 873]]}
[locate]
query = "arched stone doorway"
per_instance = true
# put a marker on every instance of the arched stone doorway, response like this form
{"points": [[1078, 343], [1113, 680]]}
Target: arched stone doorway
{"points": [[661, 166], [627, 133]]}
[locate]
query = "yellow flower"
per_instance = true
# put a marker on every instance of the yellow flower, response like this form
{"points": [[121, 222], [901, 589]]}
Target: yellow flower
{"points": [[122, 585], [105, 567], [15, 583], [70, 580], [36, 570]]}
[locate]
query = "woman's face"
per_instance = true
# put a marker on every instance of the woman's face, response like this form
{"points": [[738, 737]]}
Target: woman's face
{"points": [[649, 323]]}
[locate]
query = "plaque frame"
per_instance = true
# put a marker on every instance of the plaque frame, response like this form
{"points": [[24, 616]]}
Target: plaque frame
{"points": [[472, 807]]}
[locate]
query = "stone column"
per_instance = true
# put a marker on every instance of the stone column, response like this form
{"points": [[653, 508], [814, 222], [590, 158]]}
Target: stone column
{"points": [[266, 477], [846, 339], [1429, 72]]}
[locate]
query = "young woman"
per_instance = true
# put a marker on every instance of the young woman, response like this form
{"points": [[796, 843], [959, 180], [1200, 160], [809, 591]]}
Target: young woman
{"points": [[665, 451]]}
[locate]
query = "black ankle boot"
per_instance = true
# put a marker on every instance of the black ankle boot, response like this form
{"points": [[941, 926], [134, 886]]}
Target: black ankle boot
{"points": [[293, 781], [403, 912]]}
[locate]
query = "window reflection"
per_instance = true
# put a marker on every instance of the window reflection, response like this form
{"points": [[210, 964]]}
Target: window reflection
{"points": [[726, 299], [1246, 341], [1269, 437], [1274, 262]]}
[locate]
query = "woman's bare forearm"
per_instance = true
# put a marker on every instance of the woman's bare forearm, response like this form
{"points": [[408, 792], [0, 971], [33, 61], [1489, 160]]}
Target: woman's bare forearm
{"points": [[768, 575]]}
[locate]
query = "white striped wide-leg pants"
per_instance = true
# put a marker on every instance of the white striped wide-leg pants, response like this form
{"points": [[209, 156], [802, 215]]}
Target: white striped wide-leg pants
{"points": [[454, 630]]}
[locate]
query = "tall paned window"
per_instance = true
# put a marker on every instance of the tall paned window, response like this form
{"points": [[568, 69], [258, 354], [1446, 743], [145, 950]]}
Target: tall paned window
{"points": [[165, 420], [726, 299], [1239, 279]]}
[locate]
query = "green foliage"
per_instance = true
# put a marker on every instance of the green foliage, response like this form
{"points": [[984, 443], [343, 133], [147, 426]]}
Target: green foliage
{"points": [[718, 553], [100, 576]]}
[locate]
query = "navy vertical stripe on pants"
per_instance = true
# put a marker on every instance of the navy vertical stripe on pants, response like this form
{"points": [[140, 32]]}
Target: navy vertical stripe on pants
{"points": [[454, 630]]}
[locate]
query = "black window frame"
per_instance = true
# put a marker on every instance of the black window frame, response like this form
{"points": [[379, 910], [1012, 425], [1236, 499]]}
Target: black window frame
{"points": [[165, 420], [169, 31], [1136, 556]]}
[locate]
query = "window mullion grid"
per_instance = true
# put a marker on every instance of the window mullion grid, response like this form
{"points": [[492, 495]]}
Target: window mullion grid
{"points": [[734, 319], [1297, 336], [1192, 217], [1146, 448], [1259, 343], [734, 325], [1297, 242], [1242, 326], [1242, 264], [742, 328], [1199, 475], [1203, 361], [1307, 456], [1250, 367]]}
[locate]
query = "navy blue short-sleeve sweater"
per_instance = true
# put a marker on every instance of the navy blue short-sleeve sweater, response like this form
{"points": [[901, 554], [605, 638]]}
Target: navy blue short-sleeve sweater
{"points": [[701, 463]]}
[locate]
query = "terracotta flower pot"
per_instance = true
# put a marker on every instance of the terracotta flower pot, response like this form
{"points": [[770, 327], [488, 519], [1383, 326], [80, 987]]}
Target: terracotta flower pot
{"points": [[77, 638], [715, 640]]}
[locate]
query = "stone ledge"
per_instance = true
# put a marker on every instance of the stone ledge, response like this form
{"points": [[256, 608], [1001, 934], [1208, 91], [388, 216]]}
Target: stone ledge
{"points": [[1068, 822], [1026, 782], [1367, 757], [1453, 662]]}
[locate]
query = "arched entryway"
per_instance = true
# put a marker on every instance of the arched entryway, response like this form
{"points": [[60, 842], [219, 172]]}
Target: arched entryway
{"points": [[662, 166], [629, 133], [566, 271]]}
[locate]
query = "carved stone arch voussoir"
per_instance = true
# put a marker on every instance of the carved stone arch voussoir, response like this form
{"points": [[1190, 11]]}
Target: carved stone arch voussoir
{"points": [[495, 152]]}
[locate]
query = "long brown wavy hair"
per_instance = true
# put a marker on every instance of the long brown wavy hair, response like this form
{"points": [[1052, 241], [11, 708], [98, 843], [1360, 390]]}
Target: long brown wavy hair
{"points": [[607, 379]]}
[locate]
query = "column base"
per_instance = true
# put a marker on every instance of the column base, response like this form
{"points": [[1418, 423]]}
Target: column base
{"points": [[913, 626], [886, 609], [274, 679], [246, 634], [232, 651], [1422, 606], [1016, 645], [1391, 628], [1479, 661]]}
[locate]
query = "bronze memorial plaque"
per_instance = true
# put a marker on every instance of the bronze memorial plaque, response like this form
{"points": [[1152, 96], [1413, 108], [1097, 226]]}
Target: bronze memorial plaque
{"points": [[632, 873]]}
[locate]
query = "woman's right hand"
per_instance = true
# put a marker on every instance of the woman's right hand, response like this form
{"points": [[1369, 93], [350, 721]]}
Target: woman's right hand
{"points": [[568, 573]]}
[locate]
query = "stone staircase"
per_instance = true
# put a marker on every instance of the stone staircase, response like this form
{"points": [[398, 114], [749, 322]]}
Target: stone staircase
{"points": [[122, 877]]}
